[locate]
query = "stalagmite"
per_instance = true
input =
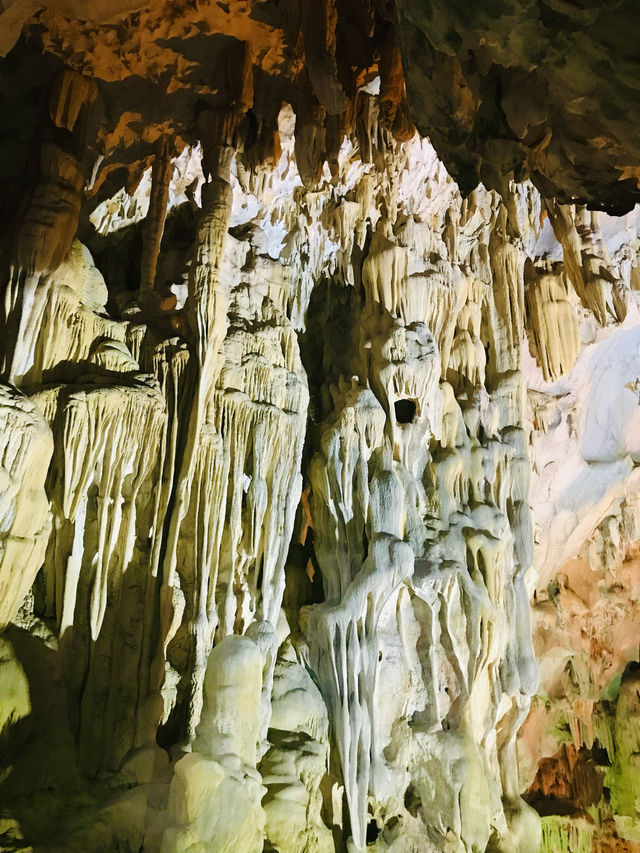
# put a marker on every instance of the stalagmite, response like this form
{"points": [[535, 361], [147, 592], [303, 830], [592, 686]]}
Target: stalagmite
{"points": [[295, 763], [215, 794]]}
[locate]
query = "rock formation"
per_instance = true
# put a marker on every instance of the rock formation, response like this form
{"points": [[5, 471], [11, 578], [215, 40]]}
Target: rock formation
{"points": [[319, 387]]}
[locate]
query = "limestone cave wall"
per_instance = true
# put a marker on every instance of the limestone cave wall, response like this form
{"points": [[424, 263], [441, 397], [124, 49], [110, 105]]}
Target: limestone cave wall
{"points": [[319, 428]]}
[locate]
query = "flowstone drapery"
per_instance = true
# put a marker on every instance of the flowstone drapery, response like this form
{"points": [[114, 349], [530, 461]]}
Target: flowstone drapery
{"points": [[422, 534]]}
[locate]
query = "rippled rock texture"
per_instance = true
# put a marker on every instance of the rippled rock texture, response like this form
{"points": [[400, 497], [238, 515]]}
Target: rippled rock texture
{"points": [[308, 450]]}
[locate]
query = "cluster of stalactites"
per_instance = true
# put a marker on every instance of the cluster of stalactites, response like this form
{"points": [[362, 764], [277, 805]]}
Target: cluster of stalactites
{"points": [[558, 293], [142, 461], [178, 468], [422, 531]]}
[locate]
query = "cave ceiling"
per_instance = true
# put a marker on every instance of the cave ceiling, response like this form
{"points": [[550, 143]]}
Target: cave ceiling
{"points": [[546, 90]]}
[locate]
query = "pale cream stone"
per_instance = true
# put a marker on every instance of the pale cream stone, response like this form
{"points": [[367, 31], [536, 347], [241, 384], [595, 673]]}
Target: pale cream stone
{"points": [[214, 802], [26, 445]]}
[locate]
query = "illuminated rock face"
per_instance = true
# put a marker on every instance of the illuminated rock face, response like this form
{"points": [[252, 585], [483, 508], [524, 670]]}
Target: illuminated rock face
{"points": [[296, 439], [584, 448]]}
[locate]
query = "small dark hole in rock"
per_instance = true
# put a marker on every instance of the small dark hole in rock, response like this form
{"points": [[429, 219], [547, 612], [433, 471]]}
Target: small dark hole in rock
{"points": [[412, 801], [372, 832], [405, 411]]}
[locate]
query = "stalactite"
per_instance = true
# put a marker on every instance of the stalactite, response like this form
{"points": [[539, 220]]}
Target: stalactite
{"points": [[154, 222], [48, 225], [26, 523], [51, 219], [101, 485], [207, 316], [587, 262], [551, 319]]}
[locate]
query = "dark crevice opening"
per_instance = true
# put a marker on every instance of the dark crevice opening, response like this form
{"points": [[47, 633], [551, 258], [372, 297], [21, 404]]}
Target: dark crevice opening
{"points": [[372, 832], [405, 411], [412, 801]]}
